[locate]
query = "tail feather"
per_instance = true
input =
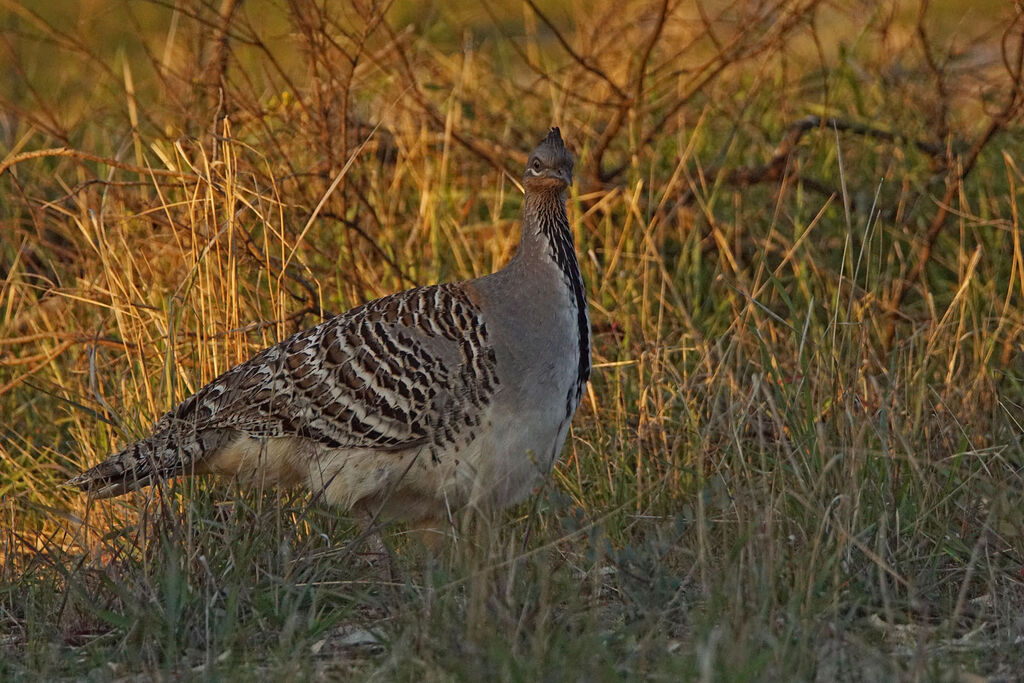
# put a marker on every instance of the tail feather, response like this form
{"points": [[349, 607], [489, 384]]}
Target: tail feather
{"points": [[161, 455]]}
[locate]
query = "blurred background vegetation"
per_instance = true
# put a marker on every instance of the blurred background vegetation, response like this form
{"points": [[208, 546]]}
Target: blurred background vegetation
{"points": [[799, 456]]}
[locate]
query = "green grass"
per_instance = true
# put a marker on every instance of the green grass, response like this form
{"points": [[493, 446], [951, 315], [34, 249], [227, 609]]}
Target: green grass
{"points": [[799, 456]]}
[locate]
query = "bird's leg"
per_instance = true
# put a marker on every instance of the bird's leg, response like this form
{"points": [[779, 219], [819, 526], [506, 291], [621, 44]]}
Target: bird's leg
{"points": [[432, 533], [376, 548]]}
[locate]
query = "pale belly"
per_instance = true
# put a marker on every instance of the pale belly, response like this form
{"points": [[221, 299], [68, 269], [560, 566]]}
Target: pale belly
{"points": [[519, 460], [490, 472]]}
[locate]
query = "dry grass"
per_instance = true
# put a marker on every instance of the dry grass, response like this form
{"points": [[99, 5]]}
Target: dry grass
{"points": [[800, 453]]}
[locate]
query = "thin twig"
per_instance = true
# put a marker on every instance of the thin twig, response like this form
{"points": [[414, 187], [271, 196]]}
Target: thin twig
{"points": [[774, 169], [958, 173], [85, 156], [575, 55], [612, 129]]}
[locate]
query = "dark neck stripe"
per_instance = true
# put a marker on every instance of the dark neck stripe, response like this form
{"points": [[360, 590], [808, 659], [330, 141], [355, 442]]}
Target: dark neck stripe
{"points": [[554, 225]]}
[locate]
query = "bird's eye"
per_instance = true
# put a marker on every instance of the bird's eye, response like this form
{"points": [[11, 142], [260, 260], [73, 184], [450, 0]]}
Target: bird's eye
{"points": [[536, 164]]}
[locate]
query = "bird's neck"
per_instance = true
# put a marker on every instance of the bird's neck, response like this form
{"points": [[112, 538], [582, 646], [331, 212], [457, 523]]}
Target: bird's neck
{"points": [[547, 239], [546, 233]]}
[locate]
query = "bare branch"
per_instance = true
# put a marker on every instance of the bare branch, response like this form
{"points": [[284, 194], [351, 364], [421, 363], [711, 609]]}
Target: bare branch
{"points": [[620, 116], [959, 172], [576, 56]]}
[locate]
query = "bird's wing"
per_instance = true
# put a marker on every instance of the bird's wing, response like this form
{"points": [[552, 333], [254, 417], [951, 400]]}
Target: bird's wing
{"points": [[409, 369]]}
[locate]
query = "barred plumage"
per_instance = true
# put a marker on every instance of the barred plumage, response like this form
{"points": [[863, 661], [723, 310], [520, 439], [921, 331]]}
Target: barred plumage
{"points": [[413, 404]]}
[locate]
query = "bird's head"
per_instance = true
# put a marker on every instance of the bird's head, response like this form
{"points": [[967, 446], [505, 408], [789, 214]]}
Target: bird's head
{"points": [[549, 168]]}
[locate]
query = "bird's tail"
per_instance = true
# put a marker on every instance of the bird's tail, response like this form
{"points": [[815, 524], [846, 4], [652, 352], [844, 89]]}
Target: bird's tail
{"points": [[164, 454]]}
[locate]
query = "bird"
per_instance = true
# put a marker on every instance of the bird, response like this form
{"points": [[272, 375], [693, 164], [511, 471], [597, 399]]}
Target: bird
{"points": [[409, 407]]}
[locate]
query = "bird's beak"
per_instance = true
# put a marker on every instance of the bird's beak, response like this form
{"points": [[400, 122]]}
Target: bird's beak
{"points": [[564, 176]]}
